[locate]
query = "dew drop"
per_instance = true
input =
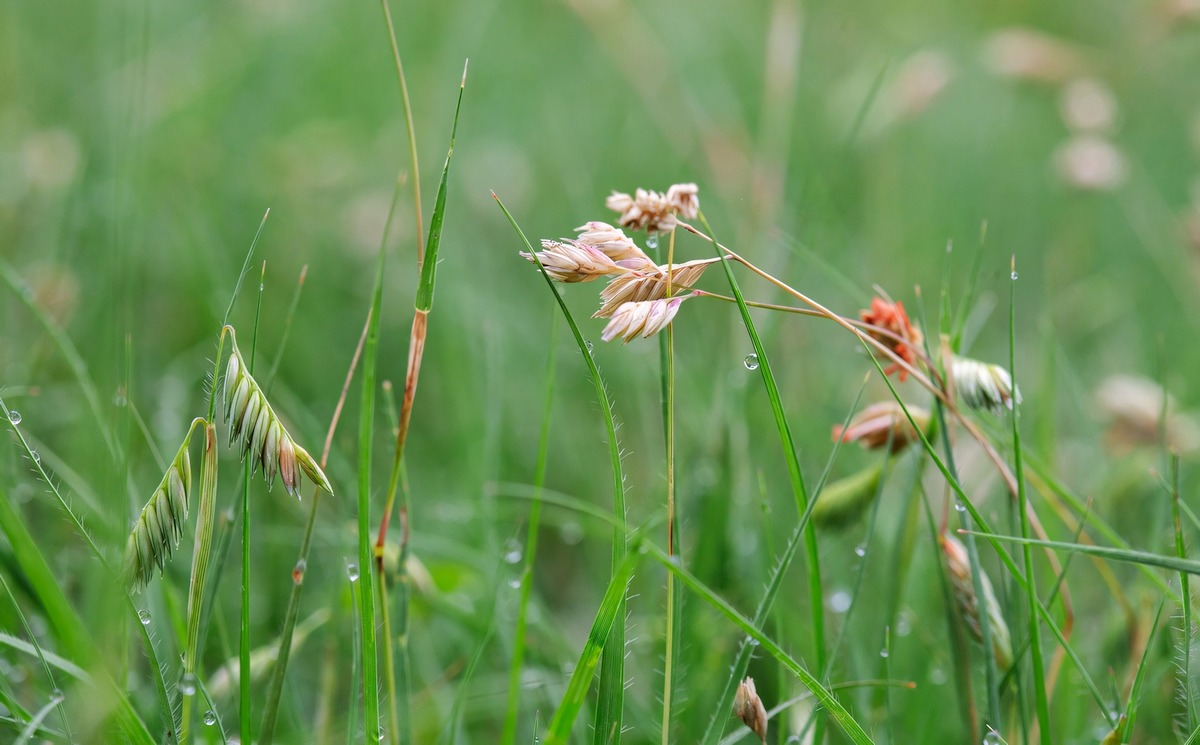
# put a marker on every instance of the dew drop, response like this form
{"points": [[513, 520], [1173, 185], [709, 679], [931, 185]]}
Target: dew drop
{"points": [[751, 362], [588, 344], [960, 507], [57, 696], [187, 684], [884, 653], [37, 457], [992, 738], [14, 416], [752, 641], [1014, 276], [652, 241], [298, 571], [210, 717], [839, 602], [937, 676], [512, 551], [119, 401], [352, 571], [382, 734], [860, 550], [571, 533], [514, 584], [144, 617]]}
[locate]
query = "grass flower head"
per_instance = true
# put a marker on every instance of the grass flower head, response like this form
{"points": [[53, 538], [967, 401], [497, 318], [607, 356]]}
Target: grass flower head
{"points": [[643, 319], [895, 330], [882, 423], [573, 261], [981, 385]]}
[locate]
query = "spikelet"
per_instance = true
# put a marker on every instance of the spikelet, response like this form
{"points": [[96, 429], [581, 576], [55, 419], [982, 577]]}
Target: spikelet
{"points": [[253, 423], [749, 708], [884, 424], [645, 318], [573, 261], [649, 284], [652, 211], [981, 385], [160, 526], [614, 243], [843, 501], [959, 563]]}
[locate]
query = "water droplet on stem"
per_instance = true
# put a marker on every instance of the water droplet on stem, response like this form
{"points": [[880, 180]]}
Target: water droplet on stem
{"points": [[751, 362]]}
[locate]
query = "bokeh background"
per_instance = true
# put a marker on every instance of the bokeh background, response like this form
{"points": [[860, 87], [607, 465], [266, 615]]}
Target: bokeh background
{"points": [[840, 146]]}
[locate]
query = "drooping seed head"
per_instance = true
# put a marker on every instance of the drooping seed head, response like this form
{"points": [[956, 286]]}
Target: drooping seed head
{"points": [[749, 708], [893, 330], [983, 386], [652, 211], [645, 318], [640, 286], [160, 525], [959, 565], [573, 261], [614, 243], [882, 423]]}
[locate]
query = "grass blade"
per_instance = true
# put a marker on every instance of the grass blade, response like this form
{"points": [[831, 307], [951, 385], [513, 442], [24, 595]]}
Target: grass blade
{"points": [[612, 607], [612, 671]]}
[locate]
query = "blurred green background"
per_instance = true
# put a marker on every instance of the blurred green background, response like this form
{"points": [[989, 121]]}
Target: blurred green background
{"points": [[839, 146]]}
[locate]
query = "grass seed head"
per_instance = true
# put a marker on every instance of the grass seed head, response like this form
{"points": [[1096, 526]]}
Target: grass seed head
{"points": [[882, 423], [573, 261], [902, 336], [749, 708], [959, 565], [253, 423], [981, 385], [614, 243], [645, 318], [640, 286], [160, 526], [654, 212]]}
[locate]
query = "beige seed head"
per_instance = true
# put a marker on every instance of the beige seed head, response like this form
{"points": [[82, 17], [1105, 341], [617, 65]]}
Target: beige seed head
{"points": [[645, 318], [573, 261], [749, 708], [254, 424], [614, 243], [652, 211], [882, 423], [636, 287], [981, 385]]}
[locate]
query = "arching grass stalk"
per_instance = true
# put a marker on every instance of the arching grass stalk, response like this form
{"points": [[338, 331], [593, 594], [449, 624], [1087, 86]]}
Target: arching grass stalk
{"points": [[513, 707], [610, 705], [799, 491]]}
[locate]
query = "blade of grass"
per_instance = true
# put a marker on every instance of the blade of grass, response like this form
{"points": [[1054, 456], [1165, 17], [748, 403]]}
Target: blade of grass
{"points": [[1035, 643], [200, 560], [667, 350], [1135, 693], [244, 709], [37, 648], [1189, 701], [610, 706], [843, 718], [1128, 556], [796, 477], [417, 336], [612, 608], [35, 722], [512, 709]]}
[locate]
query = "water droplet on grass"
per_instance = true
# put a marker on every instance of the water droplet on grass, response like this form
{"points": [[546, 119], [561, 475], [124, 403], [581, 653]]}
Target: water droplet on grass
{"points": [[298, 571], [210, 717], [514, 584], [57, 696], [860, 550], [37, 457], [652, 241], [1014, 276], [144, 617], [839, 602], [352, 571], [512, 551], [187, 684], [14, 416], [884, 653], [751, 362]]}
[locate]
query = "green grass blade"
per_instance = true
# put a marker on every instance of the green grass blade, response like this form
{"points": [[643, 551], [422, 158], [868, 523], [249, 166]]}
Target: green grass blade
{"points": [[839, 713], [424, 299], [205, 515], [1135, 692], [244, 707], [795, 475], [610, 706], [1127, 556], [1031, 599], [612, 608], [35, 722], [512, 710], [40, 654], [1190, 716]]}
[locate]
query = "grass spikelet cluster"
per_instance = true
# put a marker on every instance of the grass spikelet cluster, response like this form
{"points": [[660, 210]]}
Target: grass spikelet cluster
{"points": [[160, 526], [262, 436]]}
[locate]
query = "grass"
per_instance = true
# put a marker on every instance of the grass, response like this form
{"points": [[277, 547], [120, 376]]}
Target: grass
{"points": [[663, 501]]}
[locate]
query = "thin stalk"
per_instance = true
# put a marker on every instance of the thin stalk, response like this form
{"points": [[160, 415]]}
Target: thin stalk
{"points": [[244, 635], [56, 695], [669, 426], [275, 689], [1035, 642], [412, 135], [611, 701], [531, 539]]}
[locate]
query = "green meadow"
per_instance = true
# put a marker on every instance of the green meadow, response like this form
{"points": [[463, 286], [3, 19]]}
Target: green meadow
{"points": [[300, 448]]}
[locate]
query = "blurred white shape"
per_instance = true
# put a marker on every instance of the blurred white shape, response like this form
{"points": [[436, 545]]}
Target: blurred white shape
{"points": [[1135, 406], [1025, 54], [1090, 163], [1088, 105], [50, 158]]}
